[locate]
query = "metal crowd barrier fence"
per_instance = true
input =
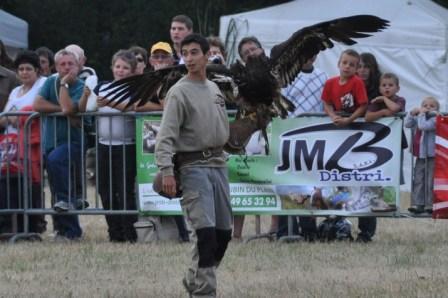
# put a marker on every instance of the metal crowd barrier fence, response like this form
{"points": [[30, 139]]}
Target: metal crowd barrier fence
{"points": [[16, 194], [34, 197]]}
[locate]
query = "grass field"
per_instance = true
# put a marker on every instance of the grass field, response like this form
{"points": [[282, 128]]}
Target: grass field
{"points": [[408, 258]]}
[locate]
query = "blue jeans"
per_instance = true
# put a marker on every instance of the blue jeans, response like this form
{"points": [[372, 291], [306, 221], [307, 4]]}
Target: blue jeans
{"points": [[63, 178]]}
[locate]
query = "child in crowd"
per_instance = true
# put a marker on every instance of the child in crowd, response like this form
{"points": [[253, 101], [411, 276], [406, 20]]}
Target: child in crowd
{"points": [[388, 103], [423, 125], [346, 92], [116, 153]]}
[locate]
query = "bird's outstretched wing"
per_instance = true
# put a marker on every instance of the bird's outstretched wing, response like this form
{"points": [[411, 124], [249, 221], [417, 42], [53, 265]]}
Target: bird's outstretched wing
{"points": [[288, 57], [141, 88]]}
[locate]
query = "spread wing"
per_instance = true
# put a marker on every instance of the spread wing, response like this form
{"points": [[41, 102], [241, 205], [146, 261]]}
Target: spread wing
{"points": [[141, 88], [145, 86], [288, 57]]}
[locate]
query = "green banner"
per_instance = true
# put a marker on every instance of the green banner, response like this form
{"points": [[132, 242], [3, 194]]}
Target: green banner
{"points": [[313, 167]]}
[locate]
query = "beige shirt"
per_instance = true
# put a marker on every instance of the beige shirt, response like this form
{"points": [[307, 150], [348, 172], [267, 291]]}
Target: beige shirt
{"points": [[194, 119]]}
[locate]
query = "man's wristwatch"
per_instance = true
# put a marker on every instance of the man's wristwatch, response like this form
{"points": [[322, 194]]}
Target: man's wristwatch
{"points": [[65, 85]]}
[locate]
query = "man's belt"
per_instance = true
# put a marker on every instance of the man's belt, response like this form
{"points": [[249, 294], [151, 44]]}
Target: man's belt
{"points": [[182, 158]]}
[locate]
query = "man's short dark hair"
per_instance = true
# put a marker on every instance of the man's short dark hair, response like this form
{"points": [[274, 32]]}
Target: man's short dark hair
{"points": [[246, 40], [184, 20], [196, 38], [29, 57]]}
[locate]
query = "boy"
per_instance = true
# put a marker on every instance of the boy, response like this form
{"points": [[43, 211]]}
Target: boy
{"points": [[388, 103], [346, 92], [423, 124]]}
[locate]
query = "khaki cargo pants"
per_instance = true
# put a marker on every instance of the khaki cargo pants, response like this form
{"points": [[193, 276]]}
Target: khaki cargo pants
{"points": [[206, 205]]}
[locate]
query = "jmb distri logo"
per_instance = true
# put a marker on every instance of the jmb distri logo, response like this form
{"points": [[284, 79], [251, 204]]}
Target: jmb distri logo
{"points": [[297, 156]]}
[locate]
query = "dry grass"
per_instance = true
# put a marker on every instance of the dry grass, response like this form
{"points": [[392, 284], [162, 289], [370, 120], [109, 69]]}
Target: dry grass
{"points": [[407, 259]]}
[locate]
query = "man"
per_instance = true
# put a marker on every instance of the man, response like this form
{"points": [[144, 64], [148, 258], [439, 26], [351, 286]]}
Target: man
{"points": [[181, 26], [62, 140], [195, 128], [304, 93], [8, 81], [251, 46], [89, 77], [84, 71], [161, 56]]}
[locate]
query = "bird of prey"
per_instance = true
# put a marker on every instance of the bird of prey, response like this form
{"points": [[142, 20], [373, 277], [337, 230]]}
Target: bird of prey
{"points": [[255, 86]]}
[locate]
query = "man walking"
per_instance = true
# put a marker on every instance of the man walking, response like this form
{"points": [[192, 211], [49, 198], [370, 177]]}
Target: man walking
{"points": [[194, 129]]}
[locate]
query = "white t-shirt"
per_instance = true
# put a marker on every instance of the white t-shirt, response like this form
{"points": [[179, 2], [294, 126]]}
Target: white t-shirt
{"points": [[16, 102], [114, 130]]}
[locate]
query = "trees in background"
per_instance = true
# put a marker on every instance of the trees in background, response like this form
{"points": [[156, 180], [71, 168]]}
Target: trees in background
{"points": [[102, 27]]}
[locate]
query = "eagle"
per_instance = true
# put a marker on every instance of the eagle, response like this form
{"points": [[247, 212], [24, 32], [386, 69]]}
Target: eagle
{"points": [[254, 86]]}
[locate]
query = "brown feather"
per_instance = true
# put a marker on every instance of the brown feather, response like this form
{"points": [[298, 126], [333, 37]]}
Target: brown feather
{"points": [[309, 41]]}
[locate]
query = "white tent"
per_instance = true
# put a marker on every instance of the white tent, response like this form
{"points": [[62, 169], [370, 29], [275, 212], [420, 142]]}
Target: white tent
{"points": [[414, 46], [13, 32]]}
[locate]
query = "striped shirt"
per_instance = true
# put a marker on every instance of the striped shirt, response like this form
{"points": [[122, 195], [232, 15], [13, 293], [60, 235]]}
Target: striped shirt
{"points": [[305, 92]]}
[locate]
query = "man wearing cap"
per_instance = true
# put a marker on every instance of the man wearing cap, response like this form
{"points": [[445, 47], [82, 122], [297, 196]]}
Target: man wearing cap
{"points": [[161, 55]]}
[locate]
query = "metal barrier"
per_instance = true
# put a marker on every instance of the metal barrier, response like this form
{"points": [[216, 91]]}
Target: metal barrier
{"points": [[32, 195], [16, 193]]}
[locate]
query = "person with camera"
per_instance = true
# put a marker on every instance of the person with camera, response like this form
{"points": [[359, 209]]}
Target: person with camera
{"points": [[217, 50]]}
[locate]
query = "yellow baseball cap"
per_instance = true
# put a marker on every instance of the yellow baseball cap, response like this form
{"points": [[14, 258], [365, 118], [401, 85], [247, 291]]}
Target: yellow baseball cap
{"points": [[164, 46]]}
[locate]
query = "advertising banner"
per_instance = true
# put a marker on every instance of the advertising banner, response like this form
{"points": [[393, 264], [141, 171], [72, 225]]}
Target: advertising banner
{"points": [[312, 167]]}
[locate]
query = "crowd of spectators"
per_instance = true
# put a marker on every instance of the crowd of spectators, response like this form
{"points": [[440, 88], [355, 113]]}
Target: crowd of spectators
{"points": [[45, 82]]}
